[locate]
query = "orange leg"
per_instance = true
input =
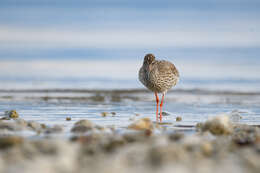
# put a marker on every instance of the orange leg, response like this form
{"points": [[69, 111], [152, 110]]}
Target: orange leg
{"points": [[161, 105], [157, 104]]}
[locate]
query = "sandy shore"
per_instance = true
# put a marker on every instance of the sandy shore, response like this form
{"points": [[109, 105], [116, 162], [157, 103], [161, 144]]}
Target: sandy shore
{"points": [[217, 145]]}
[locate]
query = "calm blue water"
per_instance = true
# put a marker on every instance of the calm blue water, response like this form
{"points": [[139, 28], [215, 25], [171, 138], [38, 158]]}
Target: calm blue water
{"points": [[202, 30], [52, 44], [123, 74]]}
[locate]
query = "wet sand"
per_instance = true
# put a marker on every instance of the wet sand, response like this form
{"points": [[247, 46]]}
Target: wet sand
{"points": [[217, 145], [135, 143]]}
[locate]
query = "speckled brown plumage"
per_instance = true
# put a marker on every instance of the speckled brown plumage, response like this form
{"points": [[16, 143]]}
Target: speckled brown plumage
{"points": [[158, 76]]}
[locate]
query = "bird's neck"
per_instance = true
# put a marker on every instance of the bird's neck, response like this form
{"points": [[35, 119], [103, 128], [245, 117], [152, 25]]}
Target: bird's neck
{"points": [[146, 68]]}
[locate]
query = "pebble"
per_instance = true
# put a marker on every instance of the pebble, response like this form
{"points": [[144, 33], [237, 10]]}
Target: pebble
{"points": [[113, 144], [178, 118], [104, 114], [218, 125], [142, 124], [5, 118], [43, 126], [35, 126], [10, 141], [176, 136], [84, 122], [82, 126], [12, 114], [10, 126], [165, 113], [245, 135], [21, 122], [207, 148], [54, 129]]}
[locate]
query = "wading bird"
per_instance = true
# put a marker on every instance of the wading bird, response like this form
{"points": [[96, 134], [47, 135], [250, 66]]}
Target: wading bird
{"points": [[158, 76]]}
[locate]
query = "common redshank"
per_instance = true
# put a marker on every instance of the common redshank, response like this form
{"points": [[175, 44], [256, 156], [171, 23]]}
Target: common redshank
{"points": [[158, 76]]}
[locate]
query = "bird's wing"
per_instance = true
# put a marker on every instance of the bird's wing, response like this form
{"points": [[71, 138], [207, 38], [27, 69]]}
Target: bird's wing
{"points": [[166, 68]]}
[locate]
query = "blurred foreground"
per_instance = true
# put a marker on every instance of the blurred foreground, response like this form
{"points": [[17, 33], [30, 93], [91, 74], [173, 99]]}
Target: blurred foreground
{"points": [[219, 144]]}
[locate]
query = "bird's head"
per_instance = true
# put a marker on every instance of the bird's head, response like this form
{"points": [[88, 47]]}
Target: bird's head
{"points": [[149, 58]]}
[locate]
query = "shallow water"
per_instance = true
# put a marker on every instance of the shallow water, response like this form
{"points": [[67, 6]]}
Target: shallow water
{"points": [[49, 91], [51, 107]]}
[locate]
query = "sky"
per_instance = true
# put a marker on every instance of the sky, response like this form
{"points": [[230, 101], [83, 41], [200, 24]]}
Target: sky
{"points": [[120, 29]]}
